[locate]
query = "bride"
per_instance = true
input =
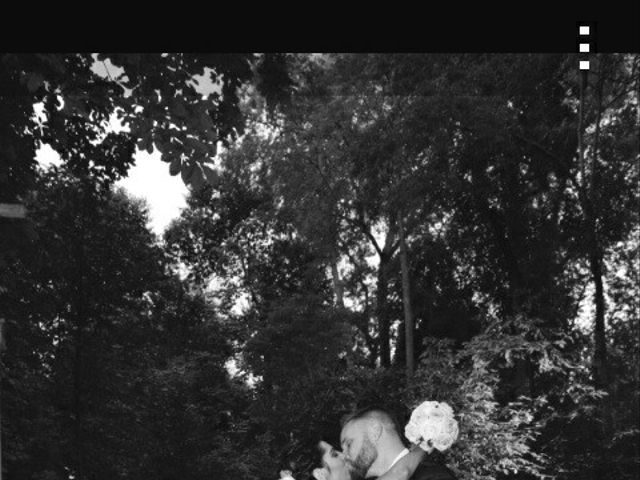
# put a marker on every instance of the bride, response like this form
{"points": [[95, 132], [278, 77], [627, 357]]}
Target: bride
{"points": [[335, 466]]}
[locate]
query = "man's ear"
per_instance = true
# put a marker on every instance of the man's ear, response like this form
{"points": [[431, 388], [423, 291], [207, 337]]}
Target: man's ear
{"points": [[375, 431]]}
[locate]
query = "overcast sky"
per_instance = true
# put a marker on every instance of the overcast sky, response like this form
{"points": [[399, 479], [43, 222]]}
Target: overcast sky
{"points": [[148, 179]]}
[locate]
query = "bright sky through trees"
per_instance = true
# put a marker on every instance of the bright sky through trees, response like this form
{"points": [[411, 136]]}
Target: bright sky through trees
{"points": [[148, 179]]}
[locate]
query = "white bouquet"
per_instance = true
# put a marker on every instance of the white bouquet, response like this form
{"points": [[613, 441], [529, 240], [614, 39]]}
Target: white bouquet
{"points": [[432, 426], [286, 475], [320, 474]]}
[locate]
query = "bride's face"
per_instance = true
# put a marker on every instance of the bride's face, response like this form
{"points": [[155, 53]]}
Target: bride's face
{"points": [[333, 460]]}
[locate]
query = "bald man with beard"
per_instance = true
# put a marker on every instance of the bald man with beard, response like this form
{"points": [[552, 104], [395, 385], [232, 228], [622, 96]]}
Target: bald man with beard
{"points": [[372, 445]]}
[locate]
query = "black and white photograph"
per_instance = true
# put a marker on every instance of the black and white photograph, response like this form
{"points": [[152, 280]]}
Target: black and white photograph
{"points": [[288, 265]]}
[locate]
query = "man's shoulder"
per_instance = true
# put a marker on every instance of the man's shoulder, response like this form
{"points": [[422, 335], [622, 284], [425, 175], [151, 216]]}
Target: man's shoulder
{"points": [[432, 471]]}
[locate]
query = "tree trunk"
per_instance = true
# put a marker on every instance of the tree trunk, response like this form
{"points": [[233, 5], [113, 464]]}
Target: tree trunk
{"points": [[79, 316], [81, 311], [384, 323], [338, 286], [78, 453], [406, 300], [588, 187], [383, 316], [600, 370], [399, 357], [595, 255], [362, 322]]}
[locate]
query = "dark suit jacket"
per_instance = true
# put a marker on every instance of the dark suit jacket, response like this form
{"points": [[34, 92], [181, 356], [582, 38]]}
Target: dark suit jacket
{"points": [[432, 471]]}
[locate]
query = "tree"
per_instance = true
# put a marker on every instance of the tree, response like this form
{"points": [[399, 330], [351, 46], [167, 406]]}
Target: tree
{"points": [[110, 352], [449, 187], [154, 97], [606, 193]]}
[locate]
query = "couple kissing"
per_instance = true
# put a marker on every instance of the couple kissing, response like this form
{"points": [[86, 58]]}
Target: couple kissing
{"points": [[373, 447]]}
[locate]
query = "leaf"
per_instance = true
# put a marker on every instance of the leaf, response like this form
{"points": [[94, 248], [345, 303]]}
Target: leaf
{"points": [[177, 108], [187, 171], [197, 178], [212, 176], [143, 143], [210, 134], [175, 166]]}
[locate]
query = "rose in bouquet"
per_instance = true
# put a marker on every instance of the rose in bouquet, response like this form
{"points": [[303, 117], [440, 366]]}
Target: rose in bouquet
{"points": [[320, 474], [432, 425], [286, 475]]}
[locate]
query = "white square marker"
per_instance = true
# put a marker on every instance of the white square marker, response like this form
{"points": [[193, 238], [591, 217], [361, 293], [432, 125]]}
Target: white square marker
{"points": [[584, 48], [584, 65], [584, 30]]}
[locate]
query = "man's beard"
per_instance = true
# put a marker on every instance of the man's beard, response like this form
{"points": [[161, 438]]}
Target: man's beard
{"points": [[360, 466]]}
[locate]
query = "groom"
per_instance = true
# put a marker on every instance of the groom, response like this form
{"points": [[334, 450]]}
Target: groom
{"points": [[371, 444]]}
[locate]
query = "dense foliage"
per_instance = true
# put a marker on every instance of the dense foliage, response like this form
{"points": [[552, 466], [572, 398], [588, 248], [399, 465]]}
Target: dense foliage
{"points": [[488, 202]]}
